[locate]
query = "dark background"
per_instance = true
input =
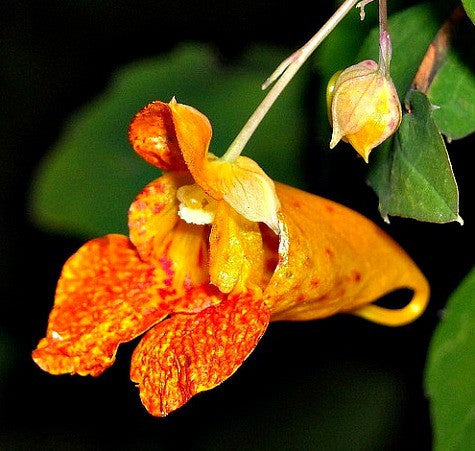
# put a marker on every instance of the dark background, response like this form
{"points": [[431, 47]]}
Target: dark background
{"points": [[340, 383]]}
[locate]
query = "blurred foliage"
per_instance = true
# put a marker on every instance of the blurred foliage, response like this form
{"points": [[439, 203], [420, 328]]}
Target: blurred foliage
{"points": [[450, 371], [415, 184], [91, 176]]}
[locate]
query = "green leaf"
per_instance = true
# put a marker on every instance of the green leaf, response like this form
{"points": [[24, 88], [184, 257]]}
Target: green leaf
{"points": [[450, 371], [453, 91], [469, 6], [87, 182], [411, 173], [412, 30]]}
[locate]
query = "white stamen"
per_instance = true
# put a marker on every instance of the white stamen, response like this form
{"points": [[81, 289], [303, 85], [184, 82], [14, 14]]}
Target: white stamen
{"points": [[194, 215]]}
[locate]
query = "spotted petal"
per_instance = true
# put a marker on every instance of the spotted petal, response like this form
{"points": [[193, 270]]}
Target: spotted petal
{"points": [[332, 259], [154, 213], [105, 296], [188, 354]]}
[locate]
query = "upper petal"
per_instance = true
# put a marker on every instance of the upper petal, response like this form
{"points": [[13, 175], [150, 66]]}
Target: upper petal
{"points": [[241, 183], [103, 298], [193, 131], [152, 135], [332, 260], [187, 354]]}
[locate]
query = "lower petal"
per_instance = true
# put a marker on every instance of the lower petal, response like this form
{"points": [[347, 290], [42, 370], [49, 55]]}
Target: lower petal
{"points": [[106, 295], [187, 354]]}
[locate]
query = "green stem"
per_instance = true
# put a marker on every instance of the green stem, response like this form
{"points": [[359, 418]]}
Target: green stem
{"points": [[385, 47], [282, 76]]}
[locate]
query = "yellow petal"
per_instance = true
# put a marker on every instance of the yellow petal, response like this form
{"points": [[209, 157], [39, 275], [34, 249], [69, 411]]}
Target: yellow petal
{"points": [[236, 251], [247, 188], [332, 259], [242, 183]]}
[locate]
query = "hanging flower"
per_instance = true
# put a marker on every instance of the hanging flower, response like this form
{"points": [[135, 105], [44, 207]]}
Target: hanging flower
{"points": [[216, 251]]}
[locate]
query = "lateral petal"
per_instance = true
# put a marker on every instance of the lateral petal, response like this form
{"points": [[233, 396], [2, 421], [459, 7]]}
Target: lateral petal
{"points": [[332, 259], [187, 354], [152, 135], [105, 296], [154, 212]]}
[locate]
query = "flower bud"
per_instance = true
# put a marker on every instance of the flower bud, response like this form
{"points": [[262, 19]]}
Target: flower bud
{"points": [[364, 107]]}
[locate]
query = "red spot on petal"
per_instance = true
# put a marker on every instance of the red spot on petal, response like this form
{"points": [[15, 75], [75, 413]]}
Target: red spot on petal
{"points": [[140, 205], [167, 266], [314, 283], [165, 293], [301, 298], [329, 252], [158, 208], [187, 283], [356, 276], [159, 188]]}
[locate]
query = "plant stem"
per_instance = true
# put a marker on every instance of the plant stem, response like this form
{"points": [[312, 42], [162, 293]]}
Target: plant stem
{"points": [[437, 52], [282, 76], [385, 47]]}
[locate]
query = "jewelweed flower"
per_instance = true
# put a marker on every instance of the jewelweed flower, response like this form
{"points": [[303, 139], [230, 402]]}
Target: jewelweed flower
{"points": [[364, 107], [216, 251]]}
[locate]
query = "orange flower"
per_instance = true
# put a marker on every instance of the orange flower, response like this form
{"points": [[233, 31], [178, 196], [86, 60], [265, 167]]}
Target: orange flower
{"points": [[216, 251]]}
